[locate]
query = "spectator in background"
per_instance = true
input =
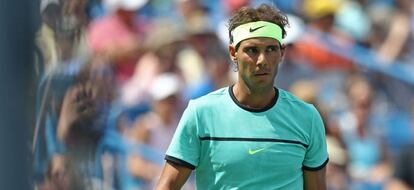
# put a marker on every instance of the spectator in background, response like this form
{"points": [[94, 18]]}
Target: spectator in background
{"points": [[193, 62], [68, 33], [215, 64], [81, 118], [320, 49], [61, 37], [346, 17], [116, 37], [163, 51], [400, 34], [192, 13], [362, 135], [212, 68], [51, 12], [403, 178], [217, 74], [157, 127], [81, 125], [53, 88], [311, 46], [75, 21]]}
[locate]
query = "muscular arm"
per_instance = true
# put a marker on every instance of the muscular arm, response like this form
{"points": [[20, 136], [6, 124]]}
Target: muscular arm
{"points": [[173, 176], [315, 180]]}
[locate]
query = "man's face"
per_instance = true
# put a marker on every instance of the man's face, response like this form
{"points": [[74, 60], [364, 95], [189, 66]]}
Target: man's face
{"points": [[258, 60]]}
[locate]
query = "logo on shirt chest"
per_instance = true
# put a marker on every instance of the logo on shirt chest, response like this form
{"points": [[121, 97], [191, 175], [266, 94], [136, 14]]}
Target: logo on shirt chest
{"points": [[254, 151]]}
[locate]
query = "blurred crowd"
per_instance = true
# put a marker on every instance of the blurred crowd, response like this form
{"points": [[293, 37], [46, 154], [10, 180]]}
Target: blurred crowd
{"points": [[115, 75]]}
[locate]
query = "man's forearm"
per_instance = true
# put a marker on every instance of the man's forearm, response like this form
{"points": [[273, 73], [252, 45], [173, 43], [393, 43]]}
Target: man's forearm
{"points": [[173, 177]]}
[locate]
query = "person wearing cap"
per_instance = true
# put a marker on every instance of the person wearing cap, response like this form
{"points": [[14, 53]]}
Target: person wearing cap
{"points": [[312, 49], [156, 128], [250, 135]]}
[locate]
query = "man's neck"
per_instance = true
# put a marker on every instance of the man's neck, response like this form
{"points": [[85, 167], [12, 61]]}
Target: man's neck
{"points": [[253, 98]]}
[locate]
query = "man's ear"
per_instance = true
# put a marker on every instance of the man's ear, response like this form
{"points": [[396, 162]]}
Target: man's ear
{"points": [[283, 49], [232, 52]]}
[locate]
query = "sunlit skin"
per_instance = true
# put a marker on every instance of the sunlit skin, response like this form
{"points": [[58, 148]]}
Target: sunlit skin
{"points": [[257, 60]]}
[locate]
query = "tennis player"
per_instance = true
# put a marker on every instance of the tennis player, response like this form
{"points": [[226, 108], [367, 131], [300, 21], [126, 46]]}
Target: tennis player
{"points": [[250, 135]]}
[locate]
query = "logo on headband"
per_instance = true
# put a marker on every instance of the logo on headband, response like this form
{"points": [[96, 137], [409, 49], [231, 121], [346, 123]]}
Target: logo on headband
{"points": [[254, 29]]}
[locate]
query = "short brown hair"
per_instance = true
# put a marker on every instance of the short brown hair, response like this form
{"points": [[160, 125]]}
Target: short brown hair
{"points": [[262, 13]]}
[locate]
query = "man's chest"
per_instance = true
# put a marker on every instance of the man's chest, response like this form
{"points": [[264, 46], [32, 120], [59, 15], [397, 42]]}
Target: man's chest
{"points": [[253, 145]]}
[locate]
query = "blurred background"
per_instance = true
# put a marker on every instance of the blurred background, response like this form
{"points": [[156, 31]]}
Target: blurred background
{"points": [[109, 79]]}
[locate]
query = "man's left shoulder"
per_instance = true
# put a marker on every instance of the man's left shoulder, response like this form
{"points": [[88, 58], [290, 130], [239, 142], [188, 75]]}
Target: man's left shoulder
{"points": [[295, 101]]}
